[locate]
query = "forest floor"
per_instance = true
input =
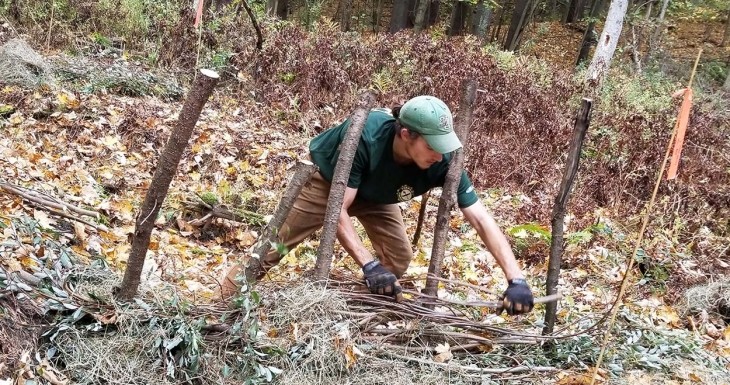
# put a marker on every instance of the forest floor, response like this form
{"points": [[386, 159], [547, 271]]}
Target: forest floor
{"points": [[98, 150]]}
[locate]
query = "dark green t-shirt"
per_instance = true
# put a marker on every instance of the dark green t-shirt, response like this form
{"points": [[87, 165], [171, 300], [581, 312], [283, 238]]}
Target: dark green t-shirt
{"points": [[376, 175]]}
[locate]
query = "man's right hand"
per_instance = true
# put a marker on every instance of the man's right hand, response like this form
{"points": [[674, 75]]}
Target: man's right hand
{"points": [[379, 280]]}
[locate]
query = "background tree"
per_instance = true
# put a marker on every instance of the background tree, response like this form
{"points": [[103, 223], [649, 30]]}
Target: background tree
{"points": [[574, 11], [517, 24], [726, 36], [458, 18], [278, 8], [345, 15], [399, 18], [589, 37], [481, 18], [608, 40], [421, 15]]}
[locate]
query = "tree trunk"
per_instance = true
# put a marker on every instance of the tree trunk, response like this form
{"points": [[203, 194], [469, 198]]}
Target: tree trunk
{"points": [[421, 12], [458, 17], [433, 12], [516, 25], [500, 20], [589, 36], [346, 14], [552, 9], [339, 184], [561, 200], [608, 40], [726, 35], [649, 8], [399, 18], [377, 14], [166, 169], [482, 17], [574, 11], [658, 29], [448, 192], [278, 8], [259, 36]]}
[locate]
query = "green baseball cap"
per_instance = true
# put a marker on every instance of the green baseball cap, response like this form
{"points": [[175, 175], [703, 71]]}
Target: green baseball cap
{"points": [[430, 117]]}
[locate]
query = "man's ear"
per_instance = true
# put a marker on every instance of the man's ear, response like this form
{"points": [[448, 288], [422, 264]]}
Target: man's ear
{"points": [[403, 133]]}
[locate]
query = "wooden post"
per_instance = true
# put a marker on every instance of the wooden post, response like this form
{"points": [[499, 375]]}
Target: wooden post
{"points": [[166, 169], [421, 217], [339, 184], [302, 175], [556, 245], [448, 194]]}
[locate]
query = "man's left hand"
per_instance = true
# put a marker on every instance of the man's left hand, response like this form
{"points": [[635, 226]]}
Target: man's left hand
{"points": [[517, 299]]}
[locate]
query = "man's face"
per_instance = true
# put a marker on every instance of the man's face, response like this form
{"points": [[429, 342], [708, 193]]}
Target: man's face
{"points": [[421, 153]]}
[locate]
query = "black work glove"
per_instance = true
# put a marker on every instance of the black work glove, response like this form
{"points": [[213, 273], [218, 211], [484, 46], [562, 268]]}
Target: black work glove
{"points": [[517, 299], [379, 280]]}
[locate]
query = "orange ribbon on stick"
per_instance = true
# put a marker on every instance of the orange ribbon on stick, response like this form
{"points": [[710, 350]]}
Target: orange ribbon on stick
{"points": [[682, 123], [198, 13]]}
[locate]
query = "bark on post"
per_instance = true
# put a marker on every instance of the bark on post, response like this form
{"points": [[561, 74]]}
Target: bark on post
{"points": [[448, 194], [421, 217], [166, 169], [302, 175], [339, 183], [556, 244]]}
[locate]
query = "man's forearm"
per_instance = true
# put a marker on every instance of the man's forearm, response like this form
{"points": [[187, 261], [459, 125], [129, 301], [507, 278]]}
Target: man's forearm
{"points": [[352, 243], [493, 238]]}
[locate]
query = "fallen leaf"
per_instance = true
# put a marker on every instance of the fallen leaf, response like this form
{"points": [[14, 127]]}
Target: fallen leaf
{"points": [[443, 357], [43, 219], [80, 231]]}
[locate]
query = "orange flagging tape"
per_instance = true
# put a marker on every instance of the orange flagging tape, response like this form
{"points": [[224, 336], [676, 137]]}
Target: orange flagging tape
{"points": [[682, 122]]}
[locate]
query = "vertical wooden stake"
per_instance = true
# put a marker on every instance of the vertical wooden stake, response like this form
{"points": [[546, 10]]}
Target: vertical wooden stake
{"points": [[302, 175], [448, 193], [166, 169], [339, 183], [556, 244]]}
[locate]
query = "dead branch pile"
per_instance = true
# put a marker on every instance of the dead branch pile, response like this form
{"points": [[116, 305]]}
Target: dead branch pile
{"points": [[300, 333], [713, 298], [21, 65]]}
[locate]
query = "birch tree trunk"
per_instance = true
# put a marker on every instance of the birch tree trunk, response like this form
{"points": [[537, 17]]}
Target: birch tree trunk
{"points": [[608, 40], [165, 172]]}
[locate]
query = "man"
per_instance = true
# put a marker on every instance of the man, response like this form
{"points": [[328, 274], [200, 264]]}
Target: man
{"points": [[400, 156]]}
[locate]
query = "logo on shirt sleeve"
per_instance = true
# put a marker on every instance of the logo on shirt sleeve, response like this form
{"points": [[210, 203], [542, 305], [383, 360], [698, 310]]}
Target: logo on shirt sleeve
{"points": [[405, 193]]}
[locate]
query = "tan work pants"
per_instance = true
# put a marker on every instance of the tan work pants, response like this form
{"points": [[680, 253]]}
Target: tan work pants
{"points": [[383, 225]]}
